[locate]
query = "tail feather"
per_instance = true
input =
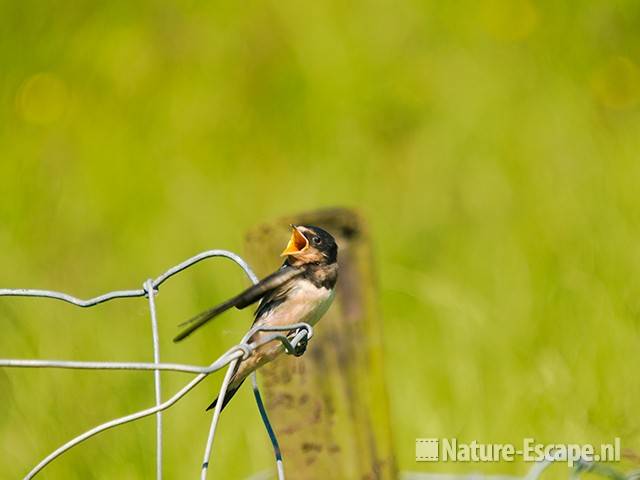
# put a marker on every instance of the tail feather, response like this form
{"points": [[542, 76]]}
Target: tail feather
{"points": [[196, 322], [244, 299], [231, 391]]}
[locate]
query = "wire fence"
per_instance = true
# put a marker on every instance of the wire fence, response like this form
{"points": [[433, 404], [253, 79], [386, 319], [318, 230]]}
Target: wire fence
{"points": [[231, 358], [302, 332]]}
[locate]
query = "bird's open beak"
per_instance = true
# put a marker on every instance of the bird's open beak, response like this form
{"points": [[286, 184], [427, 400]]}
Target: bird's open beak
{"points": [[297, 243]]}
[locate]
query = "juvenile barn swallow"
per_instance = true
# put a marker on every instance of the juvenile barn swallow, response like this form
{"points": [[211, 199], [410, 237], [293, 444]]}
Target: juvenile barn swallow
{"points": [[300, 291]]}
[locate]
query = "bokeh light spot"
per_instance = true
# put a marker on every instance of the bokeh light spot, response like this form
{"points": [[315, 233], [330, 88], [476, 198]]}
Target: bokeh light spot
{"points": [[509, 20], [42, 99], [617, 83]]}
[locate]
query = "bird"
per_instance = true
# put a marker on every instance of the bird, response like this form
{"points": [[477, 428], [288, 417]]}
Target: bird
{"points": [[301, 290]]}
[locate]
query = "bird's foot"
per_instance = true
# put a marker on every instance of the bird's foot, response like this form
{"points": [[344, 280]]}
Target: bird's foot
{"points": [[301, 347]]}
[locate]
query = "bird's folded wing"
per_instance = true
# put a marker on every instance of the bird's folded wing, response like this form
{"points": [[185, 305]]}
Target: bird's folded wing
{"points": [[266, 285], [244, 299]]}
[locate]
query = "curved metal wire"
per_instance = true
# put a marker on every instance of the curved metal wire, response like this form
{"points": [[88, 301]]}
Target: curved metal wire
{"points": [[302, 332], [151, 294], [267, 423], [65, 297]]}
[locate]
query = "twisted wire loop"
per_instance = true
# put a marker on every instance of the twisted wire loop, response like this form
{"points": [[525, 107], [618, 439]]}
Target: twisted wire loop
{"points": [[301, 332]]}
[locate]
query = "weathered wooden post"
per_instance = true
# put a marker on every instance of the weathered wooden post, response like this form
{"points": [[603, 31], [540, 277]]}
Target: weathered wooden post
{"points": [[329, 407]]}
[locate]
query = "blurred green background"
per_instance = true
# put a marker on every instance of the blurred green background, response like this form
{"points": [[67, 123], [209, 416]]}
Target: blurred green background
{"points": [[493, 146]]}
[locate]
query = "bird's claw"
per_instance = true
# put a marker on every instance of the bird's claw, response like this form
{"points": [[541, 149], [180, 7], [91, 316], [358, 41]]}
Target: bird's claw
{"points": [[301, 347]]}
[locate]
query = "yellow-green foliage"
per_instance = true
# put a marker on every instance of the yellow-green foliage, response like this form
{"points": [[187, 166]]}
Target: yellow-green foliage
{"points": [[493, 146]]}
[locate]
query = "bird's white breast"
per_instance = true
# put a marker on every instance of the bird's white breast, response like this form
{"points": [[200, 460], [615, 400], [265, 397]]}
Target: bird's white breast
{"points": [[305, 303]]}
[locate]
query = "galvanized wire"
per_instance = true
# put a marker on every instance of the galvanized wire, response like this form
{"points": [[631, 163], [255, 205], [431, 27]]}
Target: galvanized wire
{"points": [[151, 294], [233, 356]]}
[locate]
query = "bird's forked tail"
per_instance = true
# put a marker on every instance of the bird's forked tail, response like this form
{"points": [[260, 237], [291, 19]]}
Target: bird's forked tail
{"points": [[231, 391]]}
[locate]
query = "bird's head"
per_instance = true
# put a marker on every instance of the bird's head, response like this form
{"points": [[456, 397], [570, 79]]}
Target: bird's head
{"points": [[309, 244]]}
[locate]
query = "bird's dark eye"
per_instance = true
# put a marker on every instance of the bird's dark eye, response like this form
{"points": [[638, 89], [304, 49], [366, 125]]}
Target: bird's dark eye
{"points": [[316, 240]]}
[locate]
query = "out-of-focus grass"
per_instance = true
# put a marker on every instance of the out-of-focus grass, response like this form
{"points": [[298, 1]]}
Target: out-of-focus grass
{"points": [[493, 146]]}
